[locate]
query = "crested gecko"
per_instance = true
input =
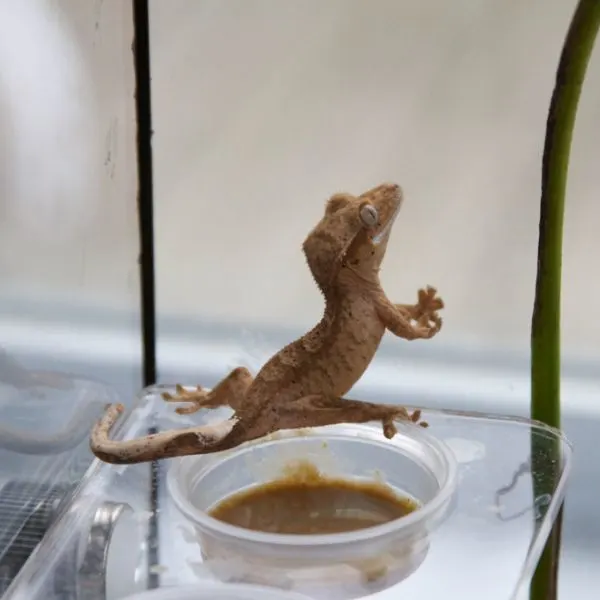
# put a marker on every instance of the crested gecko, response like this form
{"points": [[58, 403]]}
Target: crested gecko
{"points": [[303, 385]]}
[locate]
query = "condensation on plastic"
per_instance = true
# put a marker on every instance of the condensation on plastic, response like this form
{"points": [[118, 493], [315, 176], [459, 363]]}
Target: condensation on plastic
{"points": [[495, 529]]}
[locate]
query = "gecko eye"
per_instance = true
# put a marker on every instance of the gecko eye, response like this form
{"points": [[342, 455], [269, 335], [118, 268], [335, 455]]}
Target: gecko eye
{"points": [[368, 215]]}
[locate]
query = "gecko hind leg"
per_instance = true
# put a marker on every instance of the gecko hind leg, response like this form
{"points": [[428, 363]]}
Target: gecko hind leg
{"points": [[230, 391], [319, 411]]}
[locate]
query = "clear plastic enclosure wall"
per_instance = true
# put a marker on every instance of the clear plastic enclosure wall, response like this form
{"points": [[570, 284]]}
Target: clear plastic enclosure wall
{"points": [[69, 299], [69, 244]]}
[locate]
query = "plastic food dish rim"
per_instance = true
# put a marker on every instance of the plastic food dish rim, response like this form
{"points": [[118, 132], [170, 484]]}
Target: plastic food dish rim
{"points": [[213, 526]]}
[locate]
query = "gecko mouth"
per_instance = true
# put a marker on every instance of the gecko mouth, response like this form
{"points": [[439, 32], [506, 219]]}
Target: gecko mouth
{"points": [[385, 230]]}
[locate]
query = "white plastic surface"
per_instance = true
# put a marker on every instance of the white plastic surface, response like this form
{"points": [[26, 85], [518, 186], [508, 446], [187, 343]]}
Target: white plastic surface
{"points": [[127, 546], [217, 591]]}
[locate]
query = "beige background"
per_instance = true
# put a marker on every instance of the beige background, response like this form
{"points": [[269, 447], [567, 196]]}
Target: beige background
{"points": [[262, 109]]}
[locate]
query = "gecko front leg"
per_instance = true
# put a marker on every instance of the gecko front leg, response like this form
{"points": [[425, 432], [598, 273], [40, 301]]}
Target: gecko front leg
{"points": [[412, 322], [230, 391]]}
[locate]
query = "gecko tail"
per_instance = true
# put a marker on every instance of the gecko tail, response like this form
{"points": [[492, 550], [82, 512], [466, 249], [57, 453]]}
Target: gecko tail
{"points": [[204, 439]]}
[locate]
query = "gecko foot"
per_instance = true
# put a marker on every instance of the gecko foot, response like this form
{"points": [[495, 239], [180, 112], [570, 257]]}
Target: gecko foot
{"points": [[424, 313], [389, 427], [196, 399], [426, 310], [230, 391]]}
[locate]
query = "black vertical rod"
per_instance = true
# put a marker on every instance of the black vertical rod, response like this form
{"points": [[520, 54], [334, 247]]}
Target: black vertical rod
{"points": [[141, 55]]}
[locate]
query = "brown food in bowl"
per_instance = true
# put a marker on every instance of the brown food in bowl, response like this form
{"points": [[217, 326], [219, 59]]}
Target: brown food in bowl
{"points": [[306, 502]]}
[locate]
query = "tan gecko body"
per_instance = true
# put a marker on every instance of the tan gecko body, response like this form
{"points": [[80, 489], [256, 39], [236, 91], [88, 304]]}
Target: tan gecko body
{"points": [[304, 383]]}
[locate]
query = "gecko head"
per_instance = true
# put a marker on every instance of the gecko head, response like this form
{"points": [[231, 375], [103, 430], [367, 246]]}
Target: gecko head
{"points": [[352, 234]]}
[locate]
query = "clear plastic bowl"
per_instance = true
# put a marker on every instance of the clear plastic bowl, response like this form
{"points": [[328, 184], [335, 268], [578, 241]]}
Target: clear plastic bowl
{"points": [[341, 565]]}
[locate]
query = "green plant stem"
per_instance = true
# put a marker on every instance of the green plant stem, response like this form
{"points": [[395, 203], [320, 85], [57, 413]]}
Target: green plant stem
{"points": [[545, 328]]}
